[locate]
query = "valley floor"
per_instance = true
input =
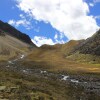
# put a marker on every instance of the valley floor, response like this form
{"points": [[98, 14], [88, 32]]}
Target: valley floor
{"points": [[35, 82]]}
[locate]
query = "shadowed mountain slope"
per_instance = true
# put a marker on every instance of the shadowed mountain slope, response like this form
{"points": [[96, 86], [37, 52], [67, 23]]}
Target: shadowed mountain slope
{"points": [[13, 42], [15, 33]]}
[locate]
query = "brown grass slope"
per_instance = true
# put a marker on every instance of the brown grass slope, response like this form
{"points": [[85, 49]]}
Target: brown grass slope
{"points": [[11, 46], [58, 58], [88, 51], [13, 42]]}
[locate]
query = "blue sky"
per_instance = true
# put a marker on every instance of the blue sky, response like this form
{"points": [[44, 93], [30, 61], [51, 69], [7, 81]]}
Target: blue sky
{"points": [[51, 22]]}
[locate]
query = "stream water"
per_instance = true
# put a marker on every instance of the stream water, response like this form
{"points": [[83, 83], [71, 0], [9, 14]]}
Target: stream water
{"points": [[91, 86]]}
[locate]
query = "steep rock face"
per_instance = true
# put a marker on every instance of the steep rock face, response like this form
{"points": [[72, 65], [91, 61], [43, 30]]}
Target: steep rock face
{"points": [[91, 45], [14, 32]]}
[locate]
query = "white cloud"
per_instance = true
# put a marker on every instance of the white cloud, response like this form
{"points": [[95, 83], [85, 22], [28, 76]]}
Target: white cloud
{"points": [[12, 22], [91, 4], [22, 16], [56, 36], [67, 16], [97, 17], [38, 40], [59, 38], [22, 22]]}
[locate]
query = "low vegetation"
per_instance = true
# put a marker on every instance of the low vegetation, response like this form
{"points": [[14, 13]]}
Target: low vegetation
{"points": [[39, 74]]}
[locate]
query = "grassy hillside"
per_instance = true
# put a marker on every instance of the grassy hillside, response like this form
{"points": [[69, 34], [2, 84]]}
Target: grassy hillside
{"points": [[57, 58], [11, 47], [74, 56], [13, 42], [59, 72], [88, 51]]}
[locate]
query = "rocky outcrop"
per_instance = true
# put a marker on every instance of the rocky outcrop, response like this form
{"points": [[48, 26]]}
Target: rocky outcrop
{"points": [[91, 45]]}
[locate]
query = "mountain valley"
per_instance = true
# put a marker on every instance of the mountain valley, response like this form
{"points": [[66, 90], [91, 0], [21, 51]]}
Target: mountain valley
{"points": [[69, 71]]}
